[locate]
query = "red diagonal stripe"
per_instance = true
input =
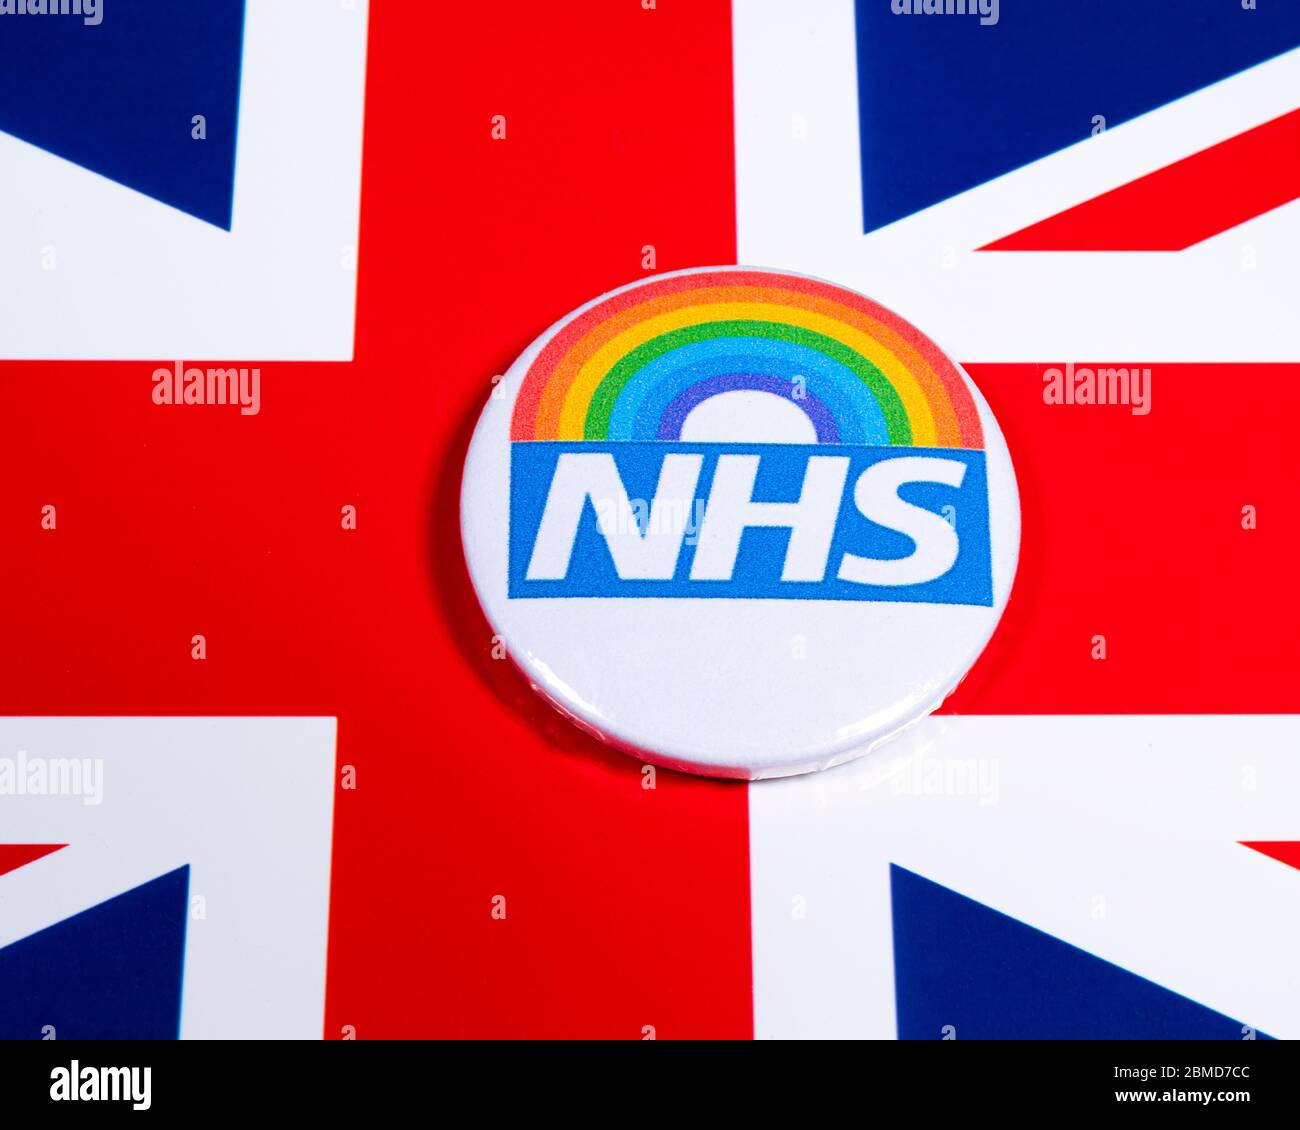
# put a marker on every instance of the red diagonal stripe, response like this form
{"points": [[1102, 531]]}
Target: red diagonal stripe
{"points": [[1284, 851], [14, 856], [1181, 204]]}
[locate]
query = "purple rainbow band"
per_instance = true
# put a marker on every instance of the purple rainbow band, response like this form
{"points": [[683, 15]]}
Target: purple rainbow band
{"points": [[670, 424]]}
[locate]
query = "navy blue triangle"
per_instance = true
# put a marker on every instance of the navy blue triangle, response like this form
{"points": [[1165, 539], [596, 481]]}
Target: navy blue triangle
{"points": [[962, 964], [119, 97], [946, 104], [112, 972]]}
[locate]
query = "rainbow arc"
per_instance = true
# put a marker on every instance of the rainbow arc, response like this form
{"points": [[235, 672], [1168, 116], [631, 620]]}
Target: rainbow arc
{"points": [[633, 365]]}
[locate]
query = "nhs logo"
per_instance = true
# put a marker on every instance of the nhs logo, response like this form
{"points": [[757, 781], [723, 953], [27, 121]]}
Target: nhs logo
{"points": [[819, 521]]}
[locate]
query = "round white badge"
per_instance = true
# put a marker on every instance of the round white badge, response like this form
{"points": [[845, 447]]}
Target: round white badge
{"points": [[740, 522]]}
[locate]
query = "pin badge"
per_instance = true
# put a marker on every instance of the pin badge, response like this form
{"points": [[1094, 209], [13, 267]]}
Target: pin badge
{"points": [[740, 522]]}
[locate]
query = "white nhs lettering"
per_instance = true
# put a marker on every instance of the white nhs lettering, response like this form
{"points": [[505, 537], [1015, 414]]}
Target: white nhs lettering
{"points": [[651, 553]]}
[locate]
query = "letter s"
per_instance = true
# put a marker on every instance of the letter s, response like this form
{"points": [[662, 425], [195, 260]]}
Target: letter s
{"points": [[876, 496]]}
